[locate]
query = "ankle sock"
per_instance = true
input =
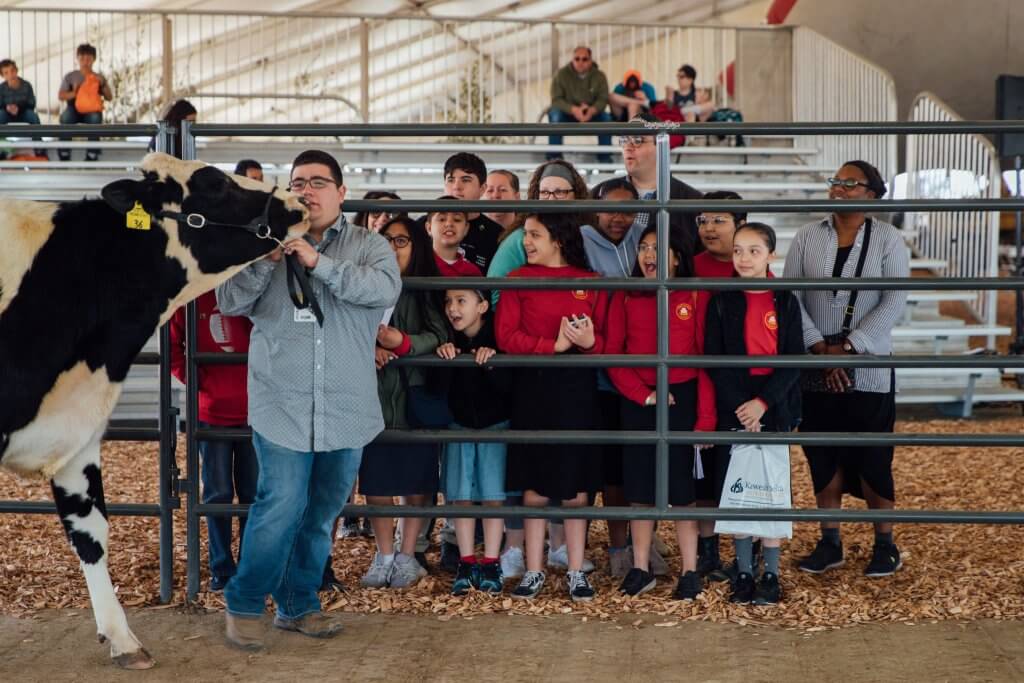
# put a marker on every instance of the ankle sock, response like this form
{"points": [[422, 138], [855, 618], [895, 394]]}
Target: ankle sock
{"points": [[771, 560], [883, 538], [832, 536], [489, 560], [468, 559], [387, 559], [744, 554]]}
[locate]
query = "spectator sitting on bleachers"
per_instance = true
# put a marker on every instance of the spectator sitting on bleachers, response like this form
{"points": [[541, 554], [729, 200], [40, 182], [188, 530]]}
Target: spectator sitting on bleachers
{"points": [[84, 91], [632, 96], [700, 109], [579, 92], [250, 168], [17, 99], [686, 93]]}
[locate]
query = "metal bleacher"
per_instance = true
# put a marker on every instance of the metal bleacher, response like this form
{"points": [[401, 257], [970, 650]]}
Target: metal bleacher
{"points": [[767, 168]]}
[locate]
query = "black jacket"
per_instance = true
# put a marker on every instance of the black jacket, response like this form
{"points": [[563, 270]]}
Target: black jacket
{"points": [[686, 223], [725, 336], [479, 396]]}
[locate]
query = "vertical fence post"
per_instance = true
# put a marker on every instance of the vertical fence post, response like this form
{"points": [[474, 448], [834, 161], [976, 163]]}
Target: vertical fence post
{"points": [[167, 421], [188, 151], [167, 63], [364, 70], [661, 407]]}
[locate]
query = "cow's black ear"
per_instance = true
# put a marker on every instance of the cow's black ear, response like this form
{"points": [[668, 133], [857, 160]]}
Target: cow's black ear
{"points": [[121, 195]]}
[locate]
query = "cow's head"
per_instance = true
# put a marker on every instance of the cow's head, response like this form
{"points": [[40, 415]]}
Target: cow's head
{"points": [[173, 186]]}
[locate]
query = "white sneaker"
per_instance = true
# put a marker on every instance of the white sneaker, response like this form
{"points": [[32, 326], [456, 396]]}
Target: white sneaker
{"points": [[559, 559], [513, 563], [379, 573]]}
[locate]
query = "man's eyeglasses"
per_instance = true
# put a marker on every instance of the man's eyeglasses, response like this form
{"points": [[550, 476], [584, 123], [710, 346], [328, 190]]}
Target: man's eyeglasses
{"points": [[398, 241], [316, 182], [713, 220], [634, 140], [581, 59], [847, 183], [554, 194]]}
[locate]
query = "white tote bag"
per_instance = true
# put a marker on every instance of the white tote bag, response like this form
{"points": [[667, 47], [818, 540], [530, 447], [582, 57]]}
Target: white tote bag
{"points": [[758, 477]]}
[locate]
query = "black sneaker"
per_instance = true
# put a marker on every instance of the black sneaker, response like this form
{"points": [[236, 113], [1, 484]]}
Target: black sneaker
{"points": [[92, 156], [64, 155], [466, 579], [689, 587], [422, 559], [449, 557], [365, 528], [885, 561], [743, 589], [708, 560], [637, 581], [768, 591], [530, 585], [580, 589], [826, 555], [489, 578]]}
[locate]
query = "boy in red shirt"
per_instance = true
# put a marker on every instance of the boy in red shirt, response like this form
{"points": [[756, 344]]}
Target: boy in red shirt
{"points": [[229, 468], [447, 230], [716, 229]]}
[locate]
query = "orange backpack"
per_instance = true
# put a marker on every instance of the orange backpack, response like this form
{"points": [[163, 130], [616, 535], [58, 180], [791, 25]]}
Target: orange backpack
{"points": [[88, 100]]}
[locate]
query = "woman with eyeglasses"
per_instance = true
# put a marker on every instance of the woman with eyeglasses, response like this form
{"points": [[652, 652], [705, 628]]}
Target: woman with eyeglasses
{"points": [[416, 328], [375, 219], [837, 322]]}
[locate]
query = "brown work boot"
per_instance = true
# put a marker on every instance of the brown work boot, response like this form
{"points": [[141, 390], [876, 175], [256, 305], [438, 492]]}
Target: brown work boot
{"points": [[245, 633], [314, 625]]}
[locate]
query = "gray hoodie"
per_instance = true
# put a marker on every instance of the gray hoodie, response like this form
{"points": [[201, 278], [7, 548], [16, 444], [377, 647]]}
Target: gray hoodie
{"points": [[606, 257]]}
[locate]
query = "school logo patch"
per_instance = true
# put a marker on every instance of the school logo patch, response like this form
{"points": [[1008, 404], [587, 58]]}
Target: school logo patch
{"points": [[684, 311], [580, 294], [771, 320]]}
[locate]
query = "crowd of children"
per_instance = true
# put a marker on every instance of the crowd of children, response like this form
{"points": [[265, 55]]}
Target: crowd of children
{"points": [[547, 322]]}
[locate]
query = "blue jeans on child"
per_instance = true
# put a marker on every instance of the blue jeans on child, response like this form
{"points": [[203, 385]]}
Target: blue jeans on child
{"points": [[69, 116], [229, 469], [298, 497], [556, 115]]}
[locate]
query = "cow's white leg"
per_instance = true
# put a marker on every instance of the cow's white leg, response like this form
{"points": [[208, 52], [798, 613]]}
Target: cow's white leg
{"points": [[78, 492]]}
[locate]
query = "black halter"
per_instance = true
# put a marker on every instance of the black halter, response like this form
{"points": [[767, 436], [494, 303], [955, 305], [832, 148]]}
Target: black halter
{"points": [[298, 277]]}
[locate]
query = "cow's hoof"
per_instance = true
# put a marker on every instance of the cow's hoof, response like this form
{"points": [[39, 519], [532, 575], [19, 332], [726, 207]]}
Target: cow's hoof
{"points": [[135, 661]]}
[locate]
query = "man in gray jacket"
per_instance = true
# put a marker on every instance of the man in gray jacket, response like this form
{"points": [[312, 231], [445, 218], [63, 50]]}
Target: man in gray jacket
{"points": [[312, 402]]}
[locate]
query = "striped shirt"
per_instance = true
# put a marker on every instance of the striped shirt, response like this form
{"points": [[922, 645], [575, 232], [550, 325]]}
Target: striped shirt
{"points": [[313, 388], [812, 254]]}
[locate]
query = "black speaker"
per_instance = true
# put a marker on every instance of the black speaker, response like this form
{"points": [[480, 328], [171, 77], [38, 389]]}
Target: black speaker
{"points": [[1010, 106]]}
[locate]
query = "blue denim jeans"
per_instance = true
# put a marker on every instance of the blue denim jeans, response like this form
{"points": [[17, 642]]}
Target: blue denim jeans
{"points": [[558, 116], [288, 535], [70, 115], [229, 469], [23, 116]]}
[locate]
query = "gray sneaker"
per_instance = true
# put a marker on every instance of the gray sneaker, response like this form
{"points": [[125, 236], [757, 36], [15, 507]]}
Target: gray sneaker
{"points": [[379, 573], [406, 571]]}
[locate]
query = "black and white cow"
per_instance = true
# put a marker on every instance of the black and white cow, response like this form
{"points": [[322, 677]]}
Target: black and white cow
{"points": [[80, 293]]}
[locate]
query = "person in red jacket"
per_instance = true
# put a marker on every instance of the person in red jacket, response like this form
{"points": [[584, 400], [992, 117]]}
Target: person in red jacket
{"points": [[229, 468], [546, 322], [633, 329], [447, 229]]}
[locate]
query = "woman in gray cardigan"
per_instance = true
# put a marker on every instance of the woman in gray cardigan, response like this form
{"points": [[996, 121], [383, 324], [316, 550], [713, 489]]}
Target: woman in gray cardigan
{"points": [[846, 245]]}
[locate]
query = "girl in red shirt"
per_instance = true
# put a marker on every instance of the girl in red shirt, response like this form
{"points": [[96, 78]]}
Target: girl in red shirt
{"points": [[633, 329], [546, 322], [756, 322]]}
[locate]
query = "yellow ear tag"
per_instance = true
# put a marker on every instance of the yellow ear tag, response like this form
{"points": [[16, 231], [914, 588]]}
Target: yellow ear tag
{"points": [[138, 218]]}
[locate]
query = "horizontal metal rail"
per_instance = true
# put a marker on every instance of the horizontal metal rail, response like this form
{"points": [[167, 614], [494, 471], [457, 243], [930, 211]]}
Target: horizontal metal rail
{"points": [[32, 507], [823, 206], [681, 361], [715, 284], [107, 130], [605, 437], [675, 513], [527, 129]]}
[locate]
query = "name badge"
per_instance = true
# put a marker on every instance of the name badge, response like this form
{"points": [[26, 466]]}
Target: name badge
{"points": [[304, 315]]}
